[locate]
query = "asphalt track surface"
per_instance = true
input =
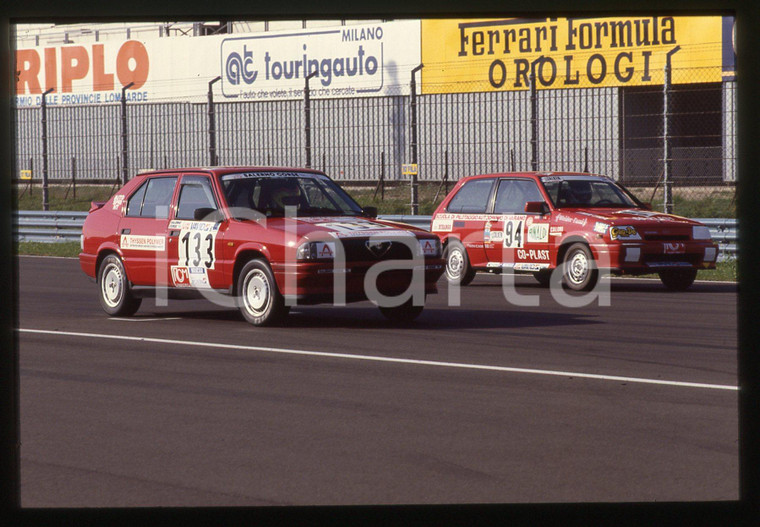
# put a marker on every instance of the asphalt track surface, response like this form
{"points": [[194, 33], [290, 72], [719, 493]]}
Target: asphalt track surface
{"points": [[485, 402]]}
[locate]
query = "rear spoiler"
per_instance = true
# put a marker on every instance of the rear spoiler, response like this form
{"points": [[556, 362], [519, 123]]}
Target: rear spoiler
{"points": [[95, 205]]}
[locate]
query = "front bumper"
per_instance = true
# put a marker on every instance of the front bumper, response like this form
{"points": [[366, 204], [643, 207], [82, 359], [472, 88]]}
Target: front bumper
{"points": [[650, 257], [323, 282]]}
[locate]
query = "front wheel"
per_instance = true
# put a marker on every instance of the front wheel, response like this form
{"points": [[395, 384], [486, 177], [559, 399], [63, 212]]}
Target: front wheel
{"points": [[678, 279], [116, 297], [580, 273], [458, 268], [406, 312], [259, 299]]}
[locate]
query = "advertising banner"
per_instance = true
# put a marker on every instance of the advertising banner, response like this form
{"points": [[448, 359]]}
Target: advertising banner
{"points": [[348, 61], [498, 55]]}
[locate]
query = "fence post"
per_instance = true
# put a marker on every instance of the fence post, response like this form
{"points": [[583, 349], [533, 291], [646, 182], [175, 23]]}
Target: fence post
{"points": [[666, 146], [445, 180], [45, 204], [533, 122], [307, 115], [381, 182], [413, 85], [124, 149], [73, 179], [31, 179], [213, 159]]}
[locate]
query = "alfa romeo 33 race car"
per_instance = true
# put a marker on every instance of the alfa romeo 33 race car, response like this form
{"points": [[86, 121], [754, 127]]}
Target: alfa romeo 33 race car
{"points": [[267, 237]]}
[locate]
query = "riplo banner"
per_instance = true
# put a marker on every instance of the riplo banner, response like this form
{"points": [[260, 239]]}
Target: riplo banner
{"points": [[499, 55], [347, 61]]}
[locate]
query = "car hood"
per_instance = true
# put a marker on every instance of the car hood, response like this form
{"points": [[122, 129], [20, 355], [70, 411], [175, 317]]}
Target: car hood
{"points": [[636, 217], [331, 227]]}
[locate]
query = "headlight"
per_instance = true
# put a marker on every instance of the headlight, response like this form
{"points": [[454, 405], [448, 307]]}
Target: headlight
{"points": [[430, 247], [700, 232], [316, 251], [624, 232]]}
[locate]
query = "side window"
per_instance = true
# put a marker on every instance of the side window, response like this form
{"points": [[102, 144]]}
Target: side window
{"points": [[158, 197], [512, 195], [195, 192], [472, 198], [135, 202]]}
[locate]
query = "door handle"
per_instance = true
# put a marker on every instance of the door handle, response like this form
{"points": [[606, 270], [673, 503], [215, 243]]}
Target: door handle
{"points": [[174, 233], [126, 231]]}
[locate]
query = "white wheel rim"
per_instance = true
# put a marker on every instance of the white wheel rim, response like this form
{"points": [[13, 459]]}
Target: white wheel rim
{"points": [[578, 267], [455, 263], [256, 293], [112, 285]]}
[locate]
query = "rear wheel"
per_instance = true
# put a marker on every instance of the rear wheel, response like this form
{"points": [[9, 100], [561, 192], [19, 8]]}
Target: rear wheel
{"points": [[678, 279], [580, 273], [458, 269], [259, 298], [116, 297]]}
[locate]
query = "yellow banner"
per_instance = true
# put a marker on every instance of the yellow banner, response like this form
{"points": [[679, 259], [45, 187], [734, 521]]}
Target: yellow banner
{"points": [[500, 55]]}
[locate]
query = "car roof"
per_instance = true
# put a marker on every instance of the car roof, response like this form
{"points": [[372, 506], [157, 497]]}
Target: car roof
{"points": [[534, 175], [219, 171]]}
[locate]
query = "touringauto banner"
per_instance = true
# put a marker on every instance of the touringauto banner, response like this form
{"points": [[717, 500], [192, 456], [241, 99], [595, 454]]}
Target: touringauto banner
{"points": [[346, 61], [501, 54]]}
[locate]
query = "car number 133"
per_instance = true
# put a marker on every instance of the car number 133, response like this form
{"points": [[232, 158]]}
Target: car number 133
{"points": [[196, 248]]}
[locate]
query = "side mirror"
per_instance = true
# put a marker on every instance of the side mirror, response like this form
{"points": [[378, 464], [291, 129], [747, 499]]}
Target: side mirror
{"points": [[207, 214], [537, 207], [370, 212]]}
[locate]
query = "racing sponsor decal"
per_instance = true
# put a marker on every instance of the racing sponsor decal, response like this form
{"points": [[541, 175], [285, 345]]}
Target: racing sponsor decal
{"points": [[428, 247], [529, 266], [600, 228], [137, 242], [497, 236], [674, 248], [325, 249], [570, 219], [183, 276], [556, 230], [626, 232], [532, 254], [197, 243], [487, 232], [538, 233], [442, 224], [513, 231], [118, 200]]}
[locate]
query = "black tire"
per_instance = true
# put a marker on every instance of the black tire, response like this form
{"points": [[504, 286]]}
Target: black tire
{"points": [[678, 279], [543, 277], [458, 268], [404, 313], [116, 297], [259, 299], [580, 272]]}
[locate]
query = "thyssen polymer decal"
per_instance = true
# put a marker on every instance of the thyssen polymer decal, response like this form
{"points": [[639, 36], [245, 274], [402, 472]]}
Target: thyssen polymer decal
{"points": [[348, 61]]}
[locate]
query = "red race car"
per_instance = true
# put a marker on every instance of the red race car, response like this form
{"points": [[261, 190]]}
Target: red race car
{"points": [[266, 237], [581, 223]]}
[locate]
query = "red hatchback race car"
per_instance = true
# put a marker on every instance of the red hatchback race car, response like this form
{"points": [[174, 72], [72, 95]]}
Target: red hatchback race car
{"points": [[267, 238], [579, 223]]}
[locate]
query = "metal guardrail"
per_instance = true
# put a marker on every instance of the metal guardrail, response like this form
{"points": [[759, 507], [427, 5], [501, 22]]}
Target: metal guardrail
{"points": [[66, 226]]}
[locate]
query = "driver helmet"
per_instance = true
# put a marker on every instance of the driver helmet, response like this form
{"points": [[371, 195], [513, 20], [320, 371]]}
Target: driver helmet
{"points": [[282, 190], [581, 190]]}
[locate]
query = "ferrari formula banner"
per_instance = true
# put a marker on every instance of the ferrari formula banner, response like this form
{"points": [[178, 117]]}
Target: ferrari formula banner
{"points": [[346, 61], [498, 55]]}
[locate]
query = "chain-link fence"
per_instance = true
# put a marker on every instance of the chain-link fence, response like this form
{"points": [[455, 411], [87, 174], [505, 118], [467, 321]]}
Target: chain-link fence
{"points": [[671, 142]]}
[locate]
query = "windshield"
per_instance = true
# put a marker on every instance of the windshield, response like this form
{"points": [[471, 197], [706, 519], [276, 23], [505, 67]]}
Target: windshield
{"points": [[584, 191], [269, 193]]}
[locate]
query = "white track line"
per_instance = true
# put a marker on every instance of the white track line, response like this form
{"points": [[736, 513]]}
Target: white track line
{"points": [[384, 359]]}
